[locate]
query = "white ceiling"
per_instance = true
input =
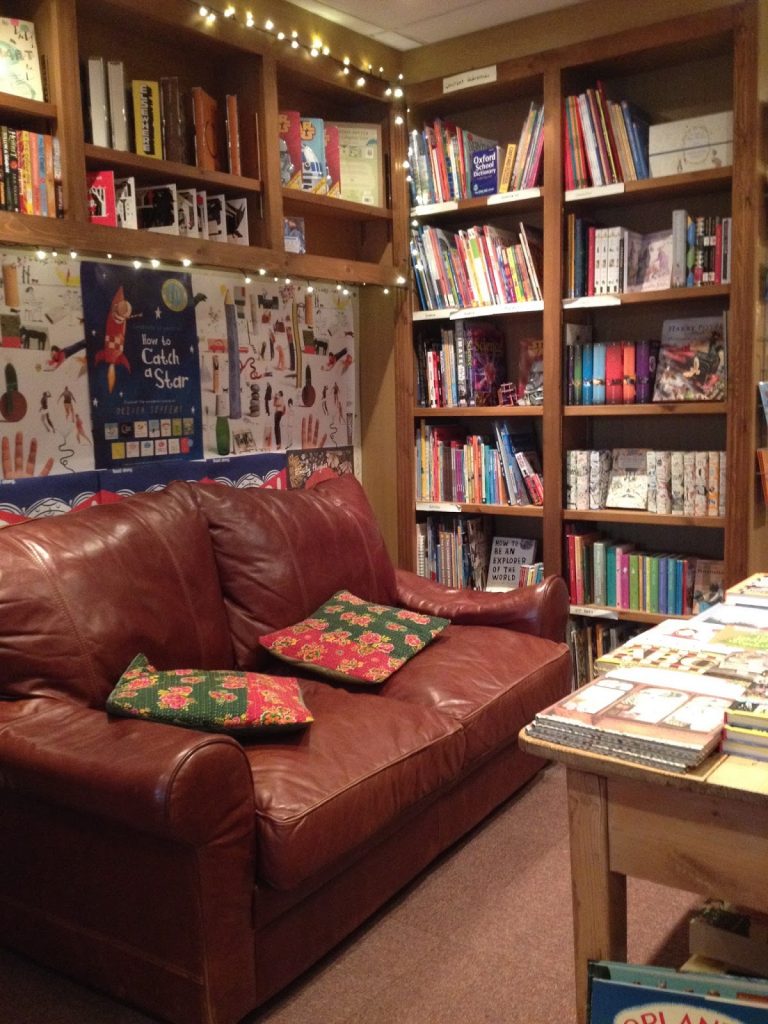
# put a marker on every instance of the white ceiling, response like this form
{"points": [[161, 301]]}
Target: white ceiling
{"points": [[406, 24]]}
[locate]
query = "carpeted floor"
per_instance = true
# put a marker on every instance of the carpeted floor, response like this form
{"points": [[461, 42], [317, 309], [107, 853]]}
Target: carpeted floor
{"points": [[483, 937]]}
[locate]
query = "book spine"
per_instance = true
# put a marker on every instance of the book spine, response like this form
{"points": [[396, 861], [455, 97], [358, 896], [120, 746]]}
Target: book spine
{"points": [[233, 135], [118, 117], [147, 118], [713, 483]]}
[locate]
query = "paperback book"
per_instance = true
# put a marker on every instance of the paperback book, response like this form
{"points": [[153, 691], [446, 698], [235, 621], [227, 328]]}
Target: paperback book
{"points": [[509, 555]]}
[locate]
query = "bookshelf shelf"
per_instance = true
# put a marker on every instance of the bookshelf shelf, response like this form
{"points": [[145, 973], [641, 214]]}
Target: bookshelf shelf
{"points": [[478, 411], [17, 107], [652, 189], [635, 516], [523, 511], [149, 170], [649, 409], [297, 201], [601, 611], [521, 200]]}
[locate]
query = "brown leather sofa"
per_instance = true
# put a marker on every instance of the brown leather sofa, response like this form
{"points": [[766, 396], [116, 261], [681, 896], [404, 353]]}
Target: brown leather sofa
{"points": [[188, 873]]}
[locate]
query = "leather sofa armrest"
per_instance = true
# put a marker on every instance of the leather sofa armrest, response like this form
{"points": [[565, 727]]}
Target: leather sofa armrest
{"points": [[167, 781], [541, 610]]}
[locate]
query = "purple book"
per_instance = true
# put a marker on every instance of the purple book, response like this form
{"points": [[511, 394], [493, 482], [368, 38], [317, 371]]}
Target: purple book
{"points": [[646, 356]]}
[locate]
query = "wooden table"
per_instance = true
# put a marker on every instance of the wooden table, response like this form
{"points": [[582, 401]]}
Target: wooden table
{"points": [[705, 830]]}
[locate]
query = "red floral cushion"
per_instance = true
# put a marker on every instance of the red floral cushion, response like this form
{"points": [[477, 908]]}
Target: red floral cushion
{"points": [[243, 703], [348, 639]]}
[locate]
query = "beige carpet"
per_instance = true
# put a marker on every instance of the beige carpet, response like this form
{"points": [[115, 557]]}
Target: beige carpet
{"points": [[484, 937]]}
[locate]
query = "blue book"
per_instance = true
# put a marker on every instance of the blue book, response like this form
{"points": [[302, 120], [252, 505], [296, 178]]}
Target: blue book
{"points": [[610, 576], [663, 572], [484, 171], [586, 374], [598, 372]]}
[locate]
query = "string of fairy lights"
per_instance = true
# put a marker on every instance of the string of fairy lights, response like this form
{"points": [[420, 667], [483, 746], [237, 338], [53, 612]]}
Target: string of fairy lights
{"points": [[363, 74]]}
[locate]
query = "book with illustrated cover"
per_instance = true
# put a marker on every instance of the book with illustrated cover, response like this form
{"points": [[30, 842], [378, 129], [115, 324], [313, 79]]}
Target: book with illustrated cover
{"points": [[293, 235], [236, 218], [628, 483], [643, 714], [692, 360], [648, 261], [125, 202], [333, 159], [216, 219], [361, 166], [508, 557], [708, 583], [207, 130], [313, 177], [101, 197], [156, 209], [289, 127], [20, 67], [186, 207], [486, 360], [147, 118]]}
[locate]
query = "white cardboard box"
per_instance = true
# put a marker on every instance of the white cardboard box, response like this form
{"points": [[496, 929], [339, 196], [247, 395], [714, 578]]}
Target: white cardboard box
{"points": [[691, 144]]}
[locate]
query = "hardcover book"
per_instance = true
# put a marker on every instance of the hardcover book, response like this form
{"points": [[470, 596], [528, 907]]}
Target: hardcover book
{"points": [[487, 362], [484, 172], [98, 101], [293, 235], [174, 120], [147, 118], [20, 67], [313, 177], [118, 113], [205, 115], [156, 209], [101, 198], [216, 218], [125, 202], [628, 484], [236, 216], [648, 261], [508, 556], [333, 159], [186, 210], [692, 360], [289, 122], [360, 159], [691, 144], [234, 161]]}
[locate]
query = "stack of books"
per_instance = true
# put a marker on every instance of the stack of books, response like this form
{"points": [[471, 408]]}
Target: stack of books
{"points": [[668, 696]]}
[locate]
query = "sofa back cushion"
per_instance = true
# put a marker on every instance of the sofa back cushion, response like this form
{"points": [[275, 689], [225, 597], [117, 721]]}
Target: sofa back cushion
{"points": [[281, 554], [81, 594]]}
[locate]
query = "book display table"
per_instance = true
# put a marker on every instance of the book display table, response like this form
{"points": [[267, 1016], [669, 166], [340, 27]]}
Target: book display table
{"points": [[705, 830]]}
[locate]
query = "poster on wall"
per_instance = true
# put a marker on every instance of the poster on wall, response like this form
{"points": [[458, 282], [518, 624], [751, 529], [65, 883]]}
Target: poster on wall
{"points": [[45, 424], [142, 364], [276, 364]]}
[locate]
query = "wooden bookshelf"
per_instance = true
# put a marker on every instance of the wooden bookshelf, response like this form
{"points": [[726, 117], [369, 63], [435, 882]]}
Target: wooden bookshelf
{"points": [[644, 62]]}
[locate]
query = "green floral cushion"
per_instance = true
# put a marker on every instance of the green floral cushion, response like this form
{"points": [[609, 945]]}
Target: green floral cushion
{"points": [[348, 639], [243, 703]]}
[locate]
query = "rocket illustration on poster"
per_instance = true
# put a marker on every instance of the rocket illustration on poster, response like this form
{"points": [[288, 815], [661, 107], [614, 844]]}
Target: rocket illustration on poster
{"points": [[142, 364]]}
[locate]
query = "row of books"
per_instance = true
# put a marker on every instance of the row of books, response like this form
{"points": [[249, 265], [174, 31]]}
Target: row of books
{"points": [[588, 639], [30, 173], [159, 119], [618, 575], [477, 469], [604, 141], [688, 363], [478, 266], [690, 483], [167, 209], [695, 251], [334, 158], [447, 162], [453, 550]]}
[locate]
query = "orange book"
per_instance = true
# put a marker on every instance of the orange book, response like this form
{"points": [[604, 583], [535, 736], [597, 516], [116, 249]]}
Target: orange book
{"points": [[205, 114], [233, 136]]}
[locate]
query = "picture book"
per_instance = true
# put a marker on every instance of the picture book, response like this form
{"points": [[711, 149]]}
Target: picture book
{"points": [[147, 118], [156, 209], [648, 261], [508, 556], [20, 66], [186, 209], [125, 202], [293, 234], [628, 481], [708, 584], [360, 163], [333, 159], [216, 218], [207, 131], [487, 362], [313, 177], [236, 220], [101, 197], [289, 126], [692, 360], [530, 374]]}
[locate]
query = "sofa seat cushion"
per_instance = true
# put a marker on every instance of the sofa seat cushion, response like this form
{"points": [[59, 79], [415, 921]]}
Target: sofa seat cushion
{"points": [[281, 554], [491, 681], [322, 794]]}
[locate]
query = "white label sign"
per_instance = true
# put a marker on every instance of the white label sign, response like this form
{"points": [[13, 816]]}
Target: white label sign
{"points": [[465, 80]]}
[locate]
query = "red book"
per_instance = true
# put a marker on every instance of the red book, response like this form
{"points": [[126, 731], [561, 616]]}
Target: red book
{"points": [[101, 198], [333, 159], [614, 374], [630, 378]]}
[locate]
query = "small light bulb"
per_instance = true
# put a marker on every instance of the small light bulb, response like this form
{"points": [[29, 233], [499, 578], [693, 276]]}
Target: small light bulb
{"points": [[40, 254], [109, 255], [406, 164], [346, 61], [186, 262], [314, 52], [346, 71], [388, 92], [310, 289], [400, 280], [386, 291], [211, 18], [398, 92], [137, 264], [326, 51], [73, 255], [247, 280], [262, 271], [269, 24], [294, 44], [249, 22], [203, 12], [294, 34], [287, 280], [229, 11], [154, 263], [398, 119], [281, 36], [360, 82]]}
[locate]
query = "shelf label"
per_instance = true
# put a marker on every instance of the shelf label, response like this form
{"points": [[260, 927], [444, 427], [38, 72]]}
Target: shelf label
{"points": [[430, 209], [592, 300], [468, 79], [513, 197], [497, 310], [437, 506], [595, 192], [593, 613], [433, 314]]}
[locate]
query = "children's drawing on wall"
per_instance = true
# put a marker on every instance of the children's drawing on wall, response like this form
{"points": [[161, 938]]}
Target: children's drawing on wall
{"points": [[142, 364], [44, 402], [276, 364]]}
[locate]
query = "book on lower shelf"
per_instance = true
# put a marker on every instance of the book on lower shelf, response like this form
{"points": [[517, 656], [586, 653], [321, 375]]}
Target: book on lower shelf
{"points": [[101, 198], [510, 557]]}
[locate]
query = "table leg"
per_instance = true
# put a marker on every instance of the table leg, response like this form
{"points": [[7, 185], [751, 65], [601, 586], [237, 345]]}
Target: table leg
{"points": [[599, 894]]}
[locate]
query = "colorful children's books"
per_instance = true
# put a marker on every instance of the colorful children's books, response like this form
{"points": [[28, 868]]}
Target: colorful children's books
{"points": [[692, 360], [313, 177]]}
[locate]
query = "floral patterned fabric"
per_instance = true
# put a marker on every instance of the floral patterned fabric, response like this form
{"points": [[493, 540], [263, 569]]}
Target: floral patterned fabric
{"points": [[348, 639], [216, 701]]}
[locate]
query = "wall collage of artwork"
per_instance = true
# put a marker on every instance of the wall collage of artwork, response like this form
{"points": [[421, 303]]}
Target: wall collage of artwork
{"points": [[115, 380]]}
